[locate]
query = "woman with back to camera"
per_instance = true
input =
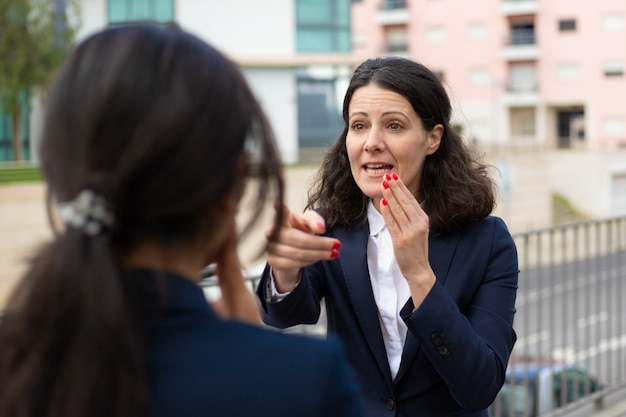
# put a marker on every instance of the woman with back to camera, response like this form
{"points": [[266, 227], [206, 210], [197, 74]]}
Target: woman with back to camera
{"points": [[145, 148], [419, 281]]}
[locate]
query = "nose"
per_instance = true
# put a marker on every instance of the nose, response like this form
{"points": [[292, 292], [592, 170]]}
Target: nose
{"points": [[374, 141]]}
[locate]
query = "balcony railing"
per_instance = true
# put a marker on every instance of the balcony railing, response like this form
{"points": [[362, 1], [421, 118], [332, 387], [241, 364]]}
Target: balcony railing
{"points": [[522, 37], [393, 4], [393, 48]]}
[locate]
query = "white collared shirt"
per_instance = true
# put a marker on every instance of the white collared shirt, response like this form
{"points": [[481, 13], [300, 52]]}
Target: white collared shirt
{"points": [[391, 291]]}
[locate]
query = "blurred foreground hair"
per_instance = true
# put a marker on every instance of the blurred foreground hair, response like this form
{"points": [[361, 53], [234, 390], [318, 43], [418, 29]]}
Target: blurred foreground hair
{"points": [[157, 123]]}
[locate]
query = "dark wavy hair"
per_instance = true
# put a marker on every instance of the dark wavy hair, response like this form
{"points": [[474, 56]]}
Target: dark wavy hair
{"points": [[456, 187], [156, 122]]}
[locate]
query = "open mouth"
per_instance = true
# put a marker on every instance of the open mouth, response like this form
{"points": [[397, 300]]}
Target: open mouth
{"points": [[377, 168]]}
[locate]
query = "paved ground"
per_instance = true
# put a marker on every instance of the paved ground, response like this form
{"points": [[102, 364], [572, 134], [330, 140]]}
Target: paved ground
{"points": [[24, 224]]}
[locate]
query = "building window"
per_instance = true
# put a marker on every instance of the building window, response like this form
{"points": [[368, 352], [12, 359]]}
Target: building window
{"points": [[613, 69], [527, 126], [523, 77], [523, 33], [396, 39], [478, 76], [477, 31], [393, 4], [120, 11], [567, 25], [613, 23], [614, 126], [319, 116], [567, 71], [436, 34], [323, 26]]}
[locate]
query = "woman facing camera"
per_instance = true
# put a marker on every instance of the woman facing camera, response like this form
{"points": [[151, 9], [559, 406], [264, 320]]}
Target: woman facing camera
{"points": [[419, 281]]}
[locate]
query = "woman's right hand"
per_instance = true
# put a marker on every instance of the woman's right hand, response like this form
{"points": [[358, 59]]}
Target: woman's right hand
{"points": [[298, 245]]}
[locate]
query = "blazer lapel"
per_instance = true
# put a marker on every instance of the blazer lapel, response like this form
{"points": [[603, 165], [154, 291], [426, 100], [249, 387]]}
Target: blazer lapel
{"points": [[356, 274], [440, 252]]}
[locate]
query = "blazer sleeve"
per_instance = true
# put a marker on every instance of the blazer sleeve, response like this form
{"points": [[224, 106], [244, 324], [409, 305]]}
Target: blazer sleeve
{"points": [[301, 306], [465, 324]]}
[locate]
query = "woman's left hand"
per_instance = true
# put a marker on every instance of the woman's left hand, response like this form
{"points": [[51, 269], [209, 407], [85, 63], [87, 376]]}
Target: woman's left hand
{"points": [[409, 227]]}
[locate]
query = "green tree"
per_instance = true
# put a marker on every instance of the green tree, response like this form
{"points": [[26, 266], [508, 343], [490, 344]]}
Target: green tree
{"points": [[35, 36]]}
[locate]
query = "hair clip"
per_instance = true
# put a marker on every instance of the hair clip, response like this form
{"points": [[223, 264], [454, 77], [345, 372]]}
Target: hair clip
{"points": [[87, 212]]}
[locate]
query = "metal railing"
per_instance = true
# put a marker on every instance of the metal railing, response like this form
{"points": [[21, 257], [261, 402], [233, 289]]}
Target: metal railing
{"points": [[393, 4], [522, 37], [570, 321]]}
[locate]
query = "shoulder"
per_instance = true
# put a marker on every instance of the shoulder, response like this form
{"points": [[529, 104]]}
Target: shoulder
{"points": [[489, 226], [488, 236]]}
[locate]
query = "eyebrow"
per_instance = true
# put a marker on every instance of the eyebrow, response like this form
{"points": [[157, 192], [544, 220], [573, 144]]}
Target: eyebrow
{"points": [[387, 113]]}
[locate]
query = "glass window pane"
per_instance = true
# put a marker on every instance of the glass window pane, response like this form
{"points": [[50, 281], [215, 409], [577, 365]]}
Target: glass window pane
{"points": [[129, 10], [342, 8], [140, 9], [344, 41], [313, 11], [117, 10], [312, 40], [164, 10]]}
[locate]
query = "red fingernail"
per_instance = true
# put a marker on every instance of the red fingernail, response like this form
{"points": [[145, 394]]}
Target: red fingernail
{"points": [[334, 254], [385, 185], [395, 177], [384, 202], [388, 177], [321, 226], [337, 245]]}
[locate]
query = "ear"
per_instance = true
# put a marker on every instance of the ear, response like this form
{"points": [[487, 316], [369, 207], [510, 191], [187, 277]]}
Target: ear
{"points": [[434, 139]]}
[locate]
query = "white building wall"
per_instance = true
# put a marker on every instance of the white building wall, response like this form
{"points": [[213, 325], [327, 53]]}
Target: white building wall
{"points": [[245, 31], [242, 28], [93, 17]]}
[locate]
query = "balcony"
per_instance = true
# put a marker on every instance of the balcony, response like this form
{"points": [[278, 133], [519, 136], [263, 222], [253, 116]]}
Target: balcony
{"points": [[395, 49], [518, 7], [392, 12], [521, 93], [521, 45], [393, 4]]}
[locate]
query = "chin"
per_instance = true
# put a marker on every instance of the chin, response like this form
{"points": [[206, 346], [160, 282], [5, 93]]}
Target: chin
{"points": [[373, 195]]}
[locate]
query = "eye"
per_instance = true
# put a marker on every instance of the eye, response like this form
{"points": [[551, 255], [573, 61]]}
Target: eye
{"points": [[358, 126], [395, 126]]}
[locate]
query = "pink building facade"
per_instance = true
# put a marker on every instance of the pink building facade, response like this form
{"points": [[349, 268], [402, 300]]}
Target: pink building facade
{"points": [[546, 73]]}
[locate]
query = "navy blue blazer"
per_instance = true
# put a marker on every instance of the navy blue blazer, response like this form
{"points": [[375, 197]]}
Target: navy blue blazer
{"points": [[200, 365], [459, 339]]}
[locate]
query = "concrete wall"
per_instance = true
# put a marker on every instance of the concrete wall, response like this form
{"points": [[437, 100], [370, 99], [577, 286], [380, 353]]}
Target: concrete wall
{"points": [[590, 180]]}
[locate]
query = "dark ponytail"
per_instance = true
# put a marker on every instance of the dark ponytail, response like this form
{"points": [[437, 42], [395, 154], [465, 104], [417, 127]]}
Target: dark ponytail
{"points": [[154, 122], [70, 345]]}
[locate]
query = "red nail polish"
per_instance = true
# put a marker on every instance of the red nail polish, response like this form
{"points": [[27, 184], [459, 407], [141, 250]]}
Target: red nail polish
{"points": [[384, 202], [395, 177], [385, 185], [388, 177], [336, 245], [321, 226], [334, 254]]}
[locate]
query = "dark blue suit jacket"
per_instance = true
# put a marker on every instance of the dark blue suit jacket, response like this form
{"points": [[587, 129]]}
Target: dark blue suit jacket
{"points": [[459, 339], [200, 365]]}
